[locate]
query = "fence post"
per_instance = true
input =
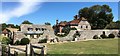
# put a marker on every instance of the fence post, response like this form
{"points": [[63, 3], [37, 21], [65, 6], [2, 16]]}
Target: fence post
{"points": [[15, 53], [26, 50], [30, 50], [42, 51], [9, 50], [0, 49]]}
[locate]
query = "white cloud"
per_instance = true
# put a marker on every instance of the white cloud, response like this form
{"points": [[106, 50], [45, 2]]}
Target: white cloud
{"points": [[26, 7]]}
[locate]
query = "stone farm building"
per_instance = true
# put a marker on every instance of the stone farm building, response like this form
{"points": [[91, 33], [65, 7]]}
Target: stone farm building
{"points": [[34, 32], [78, 23]]}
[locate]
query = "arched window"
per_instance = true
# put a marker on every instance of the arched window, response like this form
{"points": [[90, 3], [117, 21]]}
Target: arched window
{"points": [[86, 26], [81, 26]]}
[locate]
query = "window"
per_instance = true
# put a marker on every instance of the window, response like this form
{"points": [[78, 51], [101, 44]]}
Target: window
{"points": [[30, 29], [37, 29], [81, 26], [86, 26]]}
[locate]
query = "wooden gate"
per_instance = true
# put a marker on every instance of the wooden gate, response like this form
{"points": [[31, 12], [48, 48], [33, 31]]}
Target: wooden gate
{"points": [[33, 53]]}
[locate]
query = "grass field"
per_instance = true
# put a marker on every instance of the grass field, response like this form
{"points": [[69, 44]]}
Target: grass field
{"points": [[106, 46]]}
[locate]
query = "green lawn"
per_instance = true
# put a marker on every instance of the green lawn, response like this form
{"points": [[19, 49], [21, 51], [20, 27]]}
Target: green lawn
{"points": [[106, 46]]}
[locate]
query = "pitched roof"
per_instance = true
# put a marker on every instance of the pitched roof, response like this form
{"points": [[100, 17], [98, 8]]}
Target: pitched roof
{"points": [[63, 23], [75, 21], [5, 31]]}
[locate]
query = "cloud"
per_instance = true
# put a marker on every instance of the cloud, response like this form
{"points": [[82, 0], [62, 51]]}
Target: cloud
{"points": [[26, 7]]}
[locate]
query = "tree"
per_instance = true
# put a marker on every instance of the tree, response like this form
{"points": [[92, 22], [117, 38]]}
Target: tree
{"points": [[113, 25], [4, 25], [47, 23], [98, 15], [26, 22]]}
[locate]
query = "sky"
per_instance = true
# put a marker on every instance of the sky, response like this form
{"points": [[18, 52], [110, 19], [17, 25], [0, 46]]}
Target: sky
{"points": [[41, 12]]}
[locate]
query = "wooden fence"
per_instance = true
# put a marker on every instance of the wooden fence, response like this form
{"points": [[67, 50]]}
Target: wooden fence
{"points": [[32, 52]]}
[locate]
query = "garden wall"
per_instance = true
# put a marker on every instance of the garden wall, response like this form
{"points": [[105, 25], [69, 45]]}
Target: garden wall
{"points": [[88, 34]]}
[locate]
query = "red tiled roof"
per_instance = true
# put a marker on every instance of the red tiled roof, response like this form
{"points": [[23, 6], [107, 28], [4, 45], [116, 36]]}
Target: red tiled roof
{"points": [[73, 22], [76, 21], [5, 31], [63, 23]]}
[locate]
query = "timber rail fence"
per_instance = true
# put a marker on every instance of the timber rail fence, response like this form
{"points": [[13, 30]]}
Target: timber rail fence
{"points": [[30, 46]]}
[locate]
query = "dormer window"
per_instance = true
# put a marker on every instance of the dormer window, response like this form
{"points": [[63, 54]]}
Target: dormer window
{"points": [[37, 29], [30, 29]]}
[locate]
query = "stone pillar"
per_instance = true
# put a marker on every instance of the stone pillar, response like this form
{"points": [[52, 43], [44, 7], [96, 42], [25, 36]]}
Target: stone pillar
{"points": [[60, 29], [35, 36], [75, 39], [28, 36]]}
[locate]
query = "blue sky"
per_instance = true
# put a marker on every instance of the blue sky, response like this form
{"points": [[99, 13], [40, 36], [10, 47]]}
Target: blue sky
{"points": [[50, 11]]}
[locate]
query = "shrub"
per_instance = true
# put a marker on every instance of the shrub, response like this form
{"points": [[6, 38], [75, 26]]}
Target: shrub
{"points": [[103, 36], [43, 41], [17, 42], [6, 40], [95, 37], [73, 29], [111, 36], [24, 41]]}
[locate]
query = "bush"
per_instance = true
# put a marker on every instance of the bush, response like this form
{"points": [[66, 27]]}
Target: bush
{"points": [[24, 41], [43, 41], [111, 36], [103, 36], [95, 37], [17, 42], [73, 29], [6, 40]]}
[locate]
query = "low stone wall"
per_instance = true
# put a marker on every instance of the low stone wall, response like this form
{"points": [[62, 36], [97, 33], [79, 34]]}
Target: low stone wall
{"points": [[84, 34], [88, 34]]}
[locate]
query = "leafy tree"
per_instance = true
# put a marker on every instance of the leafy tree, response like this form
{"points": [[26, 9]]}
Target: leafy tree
{"points": [[47, 23], [26, 22], [113, 25], [98, 15], [118, 21], [6, 40], [24, 41], [4, 25]]}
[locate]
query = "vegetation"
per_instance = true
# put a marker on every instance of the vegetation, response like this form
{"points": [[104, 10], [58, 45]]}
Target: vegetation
{"points": [[6, 40], [77, 34], [4, 25], [103, 36], [65, 30], [24, 41], [26, 22], [97, 15], [96, 37], [108, 46], [111, 36], [113, 25], [17, 42], [73, 29], [43, 40], [47, 23]]}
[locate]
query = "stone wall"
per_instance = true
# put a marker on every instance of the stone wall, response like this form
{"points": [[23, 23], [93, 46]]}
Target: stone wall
{"points": [[88, 34], [85, 34]]}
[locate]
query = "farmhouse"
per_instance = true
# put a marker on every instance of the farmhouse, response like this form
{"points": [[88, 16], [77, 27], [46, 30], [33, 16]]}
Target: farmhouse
{"points": [[34, 31], [78, 23]]}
